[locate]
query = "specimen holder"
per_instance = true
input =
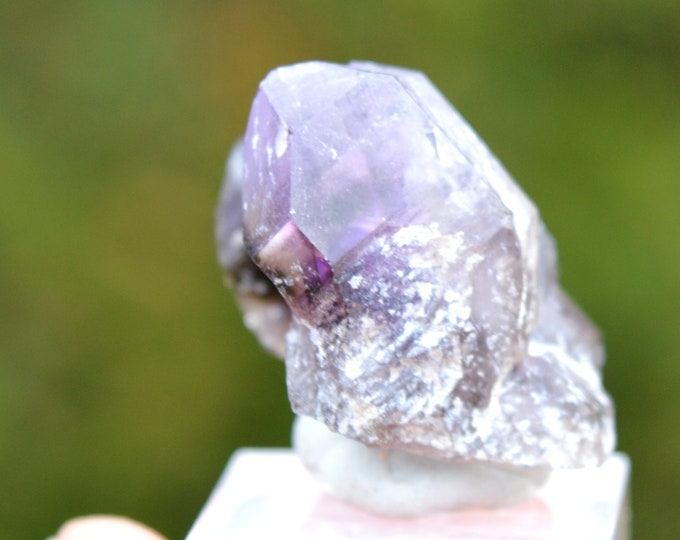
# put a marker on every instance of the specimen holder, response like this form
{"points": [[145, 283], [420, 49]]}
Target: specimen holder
{"points": [[267, 493]]}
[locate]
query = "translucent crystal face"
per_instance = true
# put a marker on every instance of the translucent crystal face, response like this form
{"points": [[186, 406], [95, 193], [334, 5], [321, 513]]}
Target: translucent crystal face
{"points": [[426, 310]]}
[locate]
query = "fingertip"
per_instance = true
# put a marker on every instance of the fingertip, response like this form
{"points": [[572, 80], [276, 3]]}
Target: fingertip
{"points": [[105, 528]]}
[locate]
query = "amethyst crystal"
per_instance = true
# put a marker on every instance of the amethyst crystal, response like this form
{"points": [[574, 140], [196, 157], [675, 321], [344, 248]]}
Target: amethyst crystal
{"points": [[265, 312], [426, 312]]}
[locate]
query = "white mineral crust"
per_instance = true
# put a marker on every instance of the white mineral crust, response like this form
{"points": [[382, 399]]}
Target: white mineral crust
{"points": [[398, 483]]}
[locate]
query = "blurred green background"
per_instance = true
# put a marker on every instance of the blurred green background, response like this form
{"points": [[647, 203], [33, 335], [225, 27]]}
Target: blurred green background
{"points": [[126, 377]]}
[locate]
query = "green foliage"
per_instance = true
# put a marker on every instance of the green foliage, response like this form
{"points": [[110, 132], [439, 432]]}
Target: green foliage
{"points": [[126, 377]]}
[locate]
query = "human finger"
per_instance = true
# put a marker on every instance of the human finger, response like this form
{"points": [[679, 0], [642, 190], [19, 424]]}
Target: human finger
{"points": [[103, 527]]}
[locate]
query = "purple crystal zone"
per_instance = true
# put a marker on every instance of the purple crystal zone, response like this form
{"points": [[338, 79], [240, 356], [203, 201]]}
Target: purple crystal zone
{"points": [[426, 310]]}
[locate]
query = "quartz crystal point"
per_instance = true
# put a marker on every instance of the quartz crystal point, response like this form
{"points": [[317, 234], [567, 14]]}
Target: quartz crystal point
{"points": [[426, 315], [265, 312]]}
